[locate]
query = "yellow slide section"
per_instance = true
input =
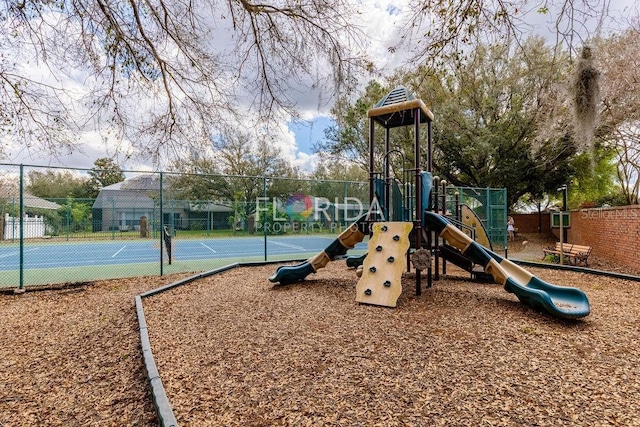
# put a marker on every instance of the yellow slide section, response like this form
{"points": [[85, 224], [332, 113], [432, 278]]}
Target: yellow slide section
{"points": [[470, 219]]}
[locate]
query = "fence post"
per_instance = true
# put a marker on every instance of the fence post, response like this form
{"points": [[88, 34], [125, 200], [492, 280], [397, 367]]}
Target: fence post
{"points": [[21, 223], [113, 218], [172, 219], [264, 229], [161, 228], [13, 218], [344, 200], [154, 220], [209, 213], [68, 218]]}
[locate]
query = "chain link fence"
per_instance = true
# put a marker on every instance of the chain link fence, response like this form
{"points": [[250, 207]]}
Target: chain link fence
{"points": [[488, 204], [53, 230]]}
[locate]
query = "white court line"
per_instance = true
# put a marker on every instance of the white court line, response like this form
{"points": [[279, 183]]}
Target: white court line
{"points": [[211, 249], [120, 250], [300, 248], [18, 253]]}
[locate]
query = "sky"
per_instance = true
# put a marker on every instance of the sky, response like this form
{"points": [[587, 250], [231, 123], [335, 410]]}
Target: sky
{"points": [[309, 132], [299, 137]]}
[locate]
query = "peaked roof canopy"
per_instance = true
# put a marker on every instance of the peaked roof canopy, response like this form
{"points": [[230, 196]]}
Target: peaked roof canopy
{"points": [[397, 109]]}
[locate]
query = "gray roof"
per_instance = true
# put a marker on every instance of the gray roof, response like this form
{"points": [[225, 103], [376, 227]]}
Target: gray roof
{"points": [[29, 200], [141, 182], [36, 202]]}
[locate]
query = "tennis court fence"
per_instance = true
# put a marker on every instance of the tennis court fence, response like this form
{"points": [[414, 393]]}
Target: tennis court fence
{"points": [[64, 225]]}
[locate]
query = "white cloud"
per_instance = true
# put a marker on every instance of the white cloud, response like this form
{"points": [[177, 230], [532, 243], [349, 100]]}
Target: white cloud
{"points": [[383, 20], [306, 162], [285, 140], [91, 146]]}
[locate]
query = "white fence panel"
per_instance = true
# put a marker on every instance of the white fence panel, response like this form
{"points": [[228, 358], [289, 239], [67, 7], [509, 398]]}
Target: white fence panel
{"points": [[33, 227]]}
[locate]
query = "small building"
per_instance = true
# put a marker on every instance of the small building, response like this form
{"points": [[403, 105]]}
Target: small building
{"points": [[34, 225], [120, 207]]}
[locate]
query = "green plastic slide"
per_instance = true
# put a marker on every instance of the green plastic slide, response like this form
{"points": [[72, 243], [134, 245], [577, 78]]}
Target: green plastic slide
{"points": [[559, 301]]}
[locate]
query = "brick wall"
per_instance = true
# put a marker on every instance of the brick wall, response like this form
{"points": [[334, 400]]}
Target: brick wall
{"points": [[529, 223], [614, 233]]}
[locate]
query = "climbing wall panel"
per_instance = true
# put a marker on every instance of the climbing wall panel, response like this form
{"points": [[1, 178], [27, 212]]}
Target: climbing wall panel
{"points": [[380, 283]]}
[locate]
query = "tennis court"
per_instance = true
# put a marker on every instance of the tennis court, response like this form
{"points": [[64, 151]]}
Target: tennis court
{"points": [[61, 262]]}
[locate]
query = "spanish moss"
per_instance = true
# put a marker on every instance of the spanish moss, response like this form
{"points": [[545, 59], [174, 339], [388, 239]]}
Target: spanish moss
{"points": [[586, 92]]}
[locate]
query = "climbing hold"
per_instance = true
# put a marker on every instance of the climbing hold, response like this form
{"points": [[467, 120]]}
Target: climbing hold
{"points": [[367, 292], [391, 259], [384, 228], [396, 238], [387, 283], [372, 269], [378, 248]]}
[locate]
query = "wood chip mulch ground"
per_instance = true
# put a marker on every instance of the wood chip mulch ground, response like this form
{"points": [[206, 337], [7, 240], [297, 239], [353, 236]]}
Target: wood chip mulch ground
{"points": [[71, 357], [233, 350]]}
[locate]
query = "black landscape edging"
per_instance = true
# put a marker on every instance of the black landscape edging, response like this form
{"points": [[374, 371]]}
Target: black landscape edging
{"points": [[166, 418], [160, 400], [577, 269]]}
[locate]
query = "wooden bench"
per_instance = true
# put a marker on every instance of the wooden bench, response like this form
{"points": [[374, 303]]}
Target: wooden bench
{"points": [[580, 253], [575, 253]]}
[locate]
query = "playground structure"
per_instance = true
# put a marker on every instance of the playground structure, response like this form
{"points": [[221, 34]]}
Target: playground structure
{"points": [[416, 219]]}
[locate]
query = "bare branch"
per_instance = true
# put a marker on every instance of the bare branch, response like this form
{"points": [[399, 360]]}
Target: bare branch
{"points": [[165, 74]]}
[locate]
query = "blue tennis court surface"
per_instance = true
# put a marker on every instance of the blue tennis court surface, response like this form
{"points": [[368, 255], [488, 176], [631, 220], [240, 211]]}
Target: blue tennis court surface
{"points": [[122, 252]]}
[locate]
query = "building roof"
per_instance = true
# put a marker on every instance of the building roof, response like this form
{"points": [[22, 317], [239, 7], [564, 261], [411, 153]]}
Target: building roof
{"points": [[30, 201], [140, 182]]}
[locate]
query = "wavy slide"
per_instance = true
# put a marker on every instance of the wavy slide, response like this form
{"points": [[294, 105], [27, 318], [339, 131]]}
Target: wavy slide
{"points": [[288, 274], [559, 301]]}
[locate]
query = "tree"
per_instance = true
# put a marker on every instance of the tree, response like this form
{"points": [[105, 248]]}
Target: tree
{"points": [[627, 148], [500, 119], [348, 139], [447, 29], [619, 124], [339, 179], [57, 185], [76, 216], [167, 73], [501, 122], [163, 74], [104, 173], [339, 170], [594, 178], [240, 168]]}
